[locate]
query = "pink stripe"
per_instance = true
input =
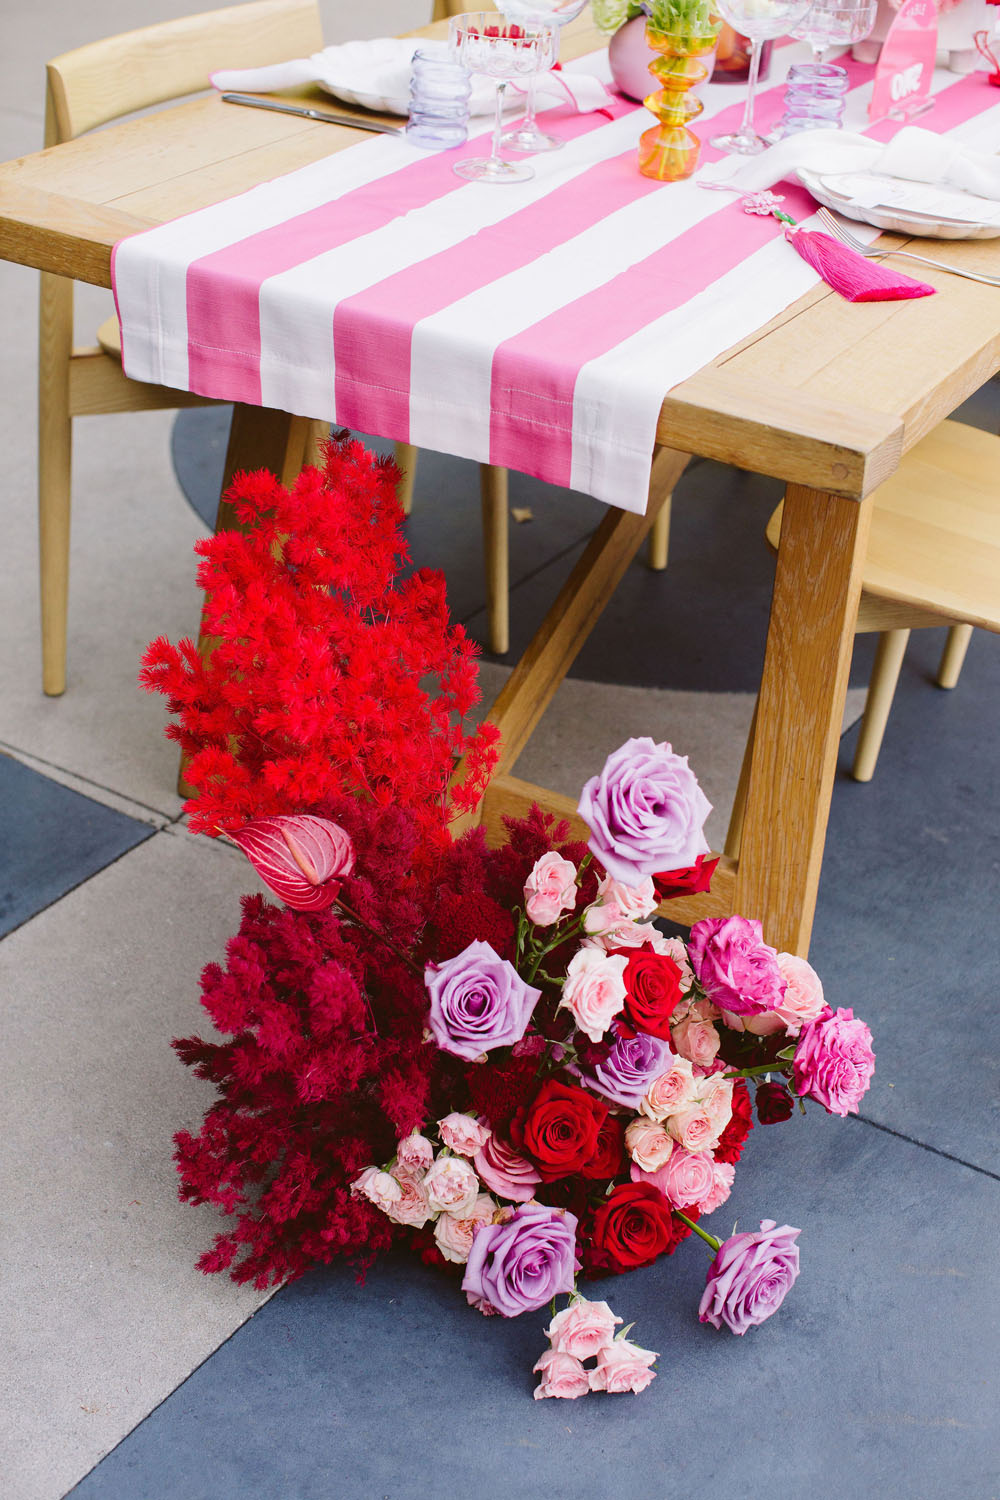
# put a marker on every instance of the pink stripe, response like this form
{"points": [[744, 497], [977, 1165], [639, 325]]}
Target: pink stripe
{"points": [[223, 288], [534, 373]]}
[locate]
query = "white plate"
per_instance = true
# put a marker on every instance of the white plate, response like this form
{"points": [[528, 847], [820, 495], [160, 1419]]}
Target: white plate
{"points": [[376, 75], [902, 220]]}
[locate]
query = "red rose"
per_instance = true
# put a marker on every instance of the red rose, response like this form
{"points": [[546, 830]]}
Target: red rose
{"points": [[697, 877], [653, 982], [562, 1129], [607, 1161], [633, 1226], [730, 1147], [774, 1103]]}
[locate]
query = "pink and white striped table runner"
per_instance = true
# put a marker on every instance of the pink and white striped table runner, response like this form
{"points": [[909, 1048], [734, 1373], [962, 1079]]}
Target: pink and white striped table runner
{"points": [[536, 326]]}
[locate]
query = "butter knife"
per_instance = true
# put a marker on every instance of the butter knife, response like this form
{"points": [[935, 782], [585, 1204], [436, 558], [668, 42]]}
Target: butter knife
{"points": [[310, 114]]}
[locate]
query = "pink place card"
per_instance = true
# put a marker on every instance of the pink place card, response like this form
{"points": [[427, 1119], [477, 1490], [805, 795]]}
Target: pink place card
{"points": [[903, 76]]}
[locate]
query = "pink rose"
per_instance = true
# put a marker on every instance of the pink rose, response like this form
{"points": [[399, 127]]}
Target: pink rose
{"points": [[550, 889], [463, 1134], [633, 901], [582, 1329], [594, 991], [451, 1186], [696, 1040], [623, 934], [562, 1375], [738, 971], [768, 1023], [715, 1095], [834, 1061], [413, 1207], [675, 948], [724, 1172], [692, 1128], [415, 1152], [670, 1092], [686, 1180], [623, 1366], [803, 998], [506, 1173], [649, 1144], [454, 1235], [750, 1277], [378, 1187]]}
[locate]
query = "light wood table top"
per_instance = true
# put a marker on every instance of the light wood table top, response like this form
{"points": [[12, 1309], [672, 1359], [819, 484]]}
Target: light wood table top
{"points": [[826, 397]]}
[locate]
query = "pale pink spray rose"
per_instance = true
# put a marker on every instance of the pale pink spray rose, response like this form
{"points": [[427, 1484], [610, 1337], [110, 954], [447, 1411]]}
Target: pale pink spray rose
{"points": [[415, 1152], [687, 1179], [645, 811], [378, 1187], [803, 998], [505, 1172], [648, 1144], [463, 1134], [582, 1329], [594, 992], [692, 1127], [618, 905], [625, 934], [750, 1277], [454, 1235], [715, 1095], [623, 1366], [834, 1061], [562, 1376], [413, 1208], [695, 1039], [670, 1092], [451, 1186], [550, 890], [301, 858]]}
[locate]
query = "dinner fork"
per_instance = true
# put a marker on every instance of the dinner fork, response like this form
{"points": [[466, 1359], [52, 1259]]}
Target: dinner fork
{"points": [[872, 252]]}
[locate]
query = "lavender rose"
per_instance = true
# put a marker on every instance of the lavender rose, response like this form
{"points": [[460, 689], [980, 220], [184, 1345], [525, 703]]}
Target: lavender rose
{"points": [[645, 812], [478, 1002], [834, 1061], [630, 1067], [518, 1266], [738, 971], [750, 1276]]}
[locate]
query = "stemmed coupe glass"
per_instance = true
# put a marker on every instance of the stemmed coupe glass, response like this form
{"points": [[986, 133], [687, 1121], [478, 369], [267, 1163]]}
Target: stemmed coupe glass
{"points": [[486, 42], [558, 13], [759, 21]]}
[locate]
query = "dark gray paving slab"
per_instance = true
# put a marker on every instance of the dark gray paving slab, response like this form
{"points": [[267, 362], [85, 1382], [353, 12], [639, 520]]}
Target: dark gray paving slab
{"points": [[906, 922], [53, 838], [876, 1378]]}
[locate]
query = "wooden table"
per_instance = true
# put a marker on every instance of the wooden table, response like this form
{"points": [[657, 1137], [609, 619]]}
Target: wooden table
{"points": [[827, 397]]}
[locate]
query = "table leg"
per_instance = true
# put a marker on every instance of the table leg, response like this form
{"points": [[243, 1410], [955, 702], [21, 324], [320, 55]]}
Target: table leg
{"points": [[800, 711]]}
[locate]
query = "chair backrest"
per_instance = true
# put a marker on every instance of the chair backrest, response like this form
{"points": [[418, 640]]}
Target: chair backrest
{"points": [[105, 80], [445, 8]]}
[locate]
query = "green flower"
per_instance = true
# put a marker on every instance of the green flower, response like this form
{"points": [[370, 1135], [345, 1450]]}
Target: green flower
{"points": [[610, 14]]}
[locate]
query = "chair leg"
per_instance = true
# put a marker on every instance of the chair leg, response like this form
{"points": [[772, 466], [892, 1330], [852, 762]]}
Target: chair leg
{"points": [[881, 690], [659, 538], [734, 834], [406, 461], [493, 489], [54, 474], [953, 655]]}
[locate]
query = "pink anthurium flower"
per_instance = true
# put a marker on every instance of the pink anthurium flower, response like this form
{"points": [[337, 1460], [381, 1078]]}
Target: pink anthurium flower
{"points": [[299, 857]]}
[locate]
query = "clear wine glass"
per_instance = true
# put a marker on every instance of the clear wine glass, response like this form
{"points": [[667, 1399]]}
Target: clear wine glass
{"points": [[759, 21], [558, 13], [815, 91], [486, 42]]}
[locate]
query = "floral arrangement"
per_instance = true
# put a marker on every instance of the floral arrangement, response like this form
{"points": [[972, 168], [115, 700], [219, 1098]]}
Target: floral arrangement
{"points": [[687, 17], [491, 1054]]}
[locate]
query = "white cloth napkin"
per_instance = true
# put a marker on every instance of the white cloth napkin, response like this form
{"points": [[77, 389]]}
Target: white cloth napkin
{"points": [[915, 155], [376, 74]]}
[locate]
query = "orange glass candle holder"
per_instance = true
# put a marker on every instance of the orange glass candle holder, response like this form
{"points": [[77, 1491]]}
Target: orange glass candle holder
{"points": [[669, 151]]}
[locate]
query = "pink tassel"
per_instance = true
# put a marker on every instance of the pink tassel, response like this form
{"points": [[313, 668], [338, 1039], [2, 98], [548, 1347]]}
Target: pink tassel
{"points": [[850, 274]]}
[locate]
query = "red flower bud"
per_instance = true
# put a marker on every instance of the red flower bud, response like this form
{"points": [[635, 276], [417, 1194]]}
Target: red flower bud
{"points": [[299, 857], [697, 877], [774, 1103]]}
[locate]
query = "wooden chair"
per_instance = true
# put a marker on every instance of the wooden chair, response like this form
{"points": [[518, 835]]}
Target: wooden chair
{"points": [[86, 88], [933, 559], [493, 483]]}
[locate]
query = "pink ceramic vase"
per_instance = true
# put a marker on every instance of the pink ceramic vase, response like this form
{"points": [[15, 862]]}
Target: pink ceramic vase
{"points": [[630, 56]]}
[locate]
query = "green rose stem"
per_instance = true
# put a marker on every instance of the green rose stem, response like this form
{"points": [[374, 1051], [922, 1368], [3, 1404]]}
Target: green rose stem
{"points": [[710, 1240], [561, 937], [760, 1071]]}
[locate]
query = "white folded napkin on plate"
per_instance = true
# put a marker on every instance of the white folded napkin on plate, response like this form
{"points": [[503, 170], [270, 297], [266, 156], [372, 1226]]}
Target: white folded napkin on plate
{"points": [[914, 154], [376, 75]]}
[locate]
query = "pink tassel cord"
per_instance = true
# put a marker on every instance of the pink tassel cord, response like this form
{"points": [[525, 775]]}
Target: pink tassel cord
{"points": [[850, 274]]}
